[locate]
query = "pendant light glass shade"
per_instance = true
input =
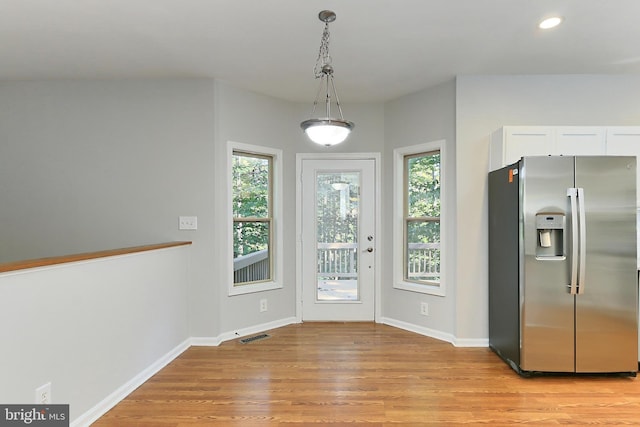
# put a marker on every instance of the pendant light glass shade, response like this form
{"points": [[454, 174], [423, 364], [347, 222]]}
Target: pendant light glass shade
{"points": [[326, 130]]}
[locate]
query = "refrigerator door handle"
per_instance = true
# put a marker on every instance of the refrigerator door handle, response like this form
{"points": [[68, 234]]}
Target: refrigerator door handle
{"points": [[583, 242], [572, 193]]}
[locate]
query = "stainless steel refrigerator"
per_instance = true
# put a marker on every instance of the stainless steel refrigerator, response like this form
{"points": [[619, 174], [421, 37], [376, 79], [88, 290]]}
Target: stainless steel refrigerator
{"points": [[563, 280]]}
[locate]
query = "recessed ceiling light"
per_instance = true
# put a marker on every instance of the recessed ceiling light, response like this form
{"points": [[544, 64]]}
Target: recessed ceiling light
{"points": [[554, 21]]}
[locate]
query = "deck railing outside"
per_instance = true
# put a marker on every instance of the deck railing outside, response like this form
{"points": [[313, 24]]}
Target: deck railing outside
{"points": [[424, 261], [252, 267], [339, 261]]}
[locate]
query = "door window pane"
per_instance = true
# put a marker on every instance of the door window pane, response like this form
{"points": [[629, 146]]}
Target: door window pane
{"points": [[337, 215]]}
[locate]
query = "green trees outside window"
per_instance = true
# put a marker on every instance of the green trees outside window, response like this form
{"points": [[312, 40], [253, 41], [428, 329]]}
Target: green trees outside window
{"points": [[252, 217], [422, 218], [338, 198]]}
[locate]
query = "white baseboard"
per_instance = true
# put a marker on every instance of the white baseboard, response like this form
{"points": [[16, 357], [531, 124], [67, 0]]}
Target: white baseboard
{"points": [[439, 335], [114, 398], [205, 341], [227, 336], [442, 336], [471, 342]]}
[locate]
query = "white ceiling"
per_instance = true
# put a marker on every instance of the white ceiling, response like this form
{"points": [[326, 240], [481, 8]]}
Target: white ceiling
{"points": [[381, 49]]}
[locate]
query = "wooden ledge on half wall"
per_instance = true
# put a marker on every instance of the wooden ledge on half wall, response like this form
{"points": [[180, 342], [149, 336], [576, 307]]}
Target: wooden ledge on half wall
{"points": [[43, 262]]}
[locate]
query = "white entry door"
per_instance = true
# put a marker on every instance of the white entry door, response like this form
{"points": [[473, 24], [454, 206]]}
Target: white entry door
{"points": [[338, 240]]}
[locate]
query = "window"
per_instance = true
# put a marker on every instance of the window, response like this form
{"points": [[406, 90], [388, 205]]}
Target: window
{"points": [[422, 218], [253, 209], [418, 216], [251, 217]]}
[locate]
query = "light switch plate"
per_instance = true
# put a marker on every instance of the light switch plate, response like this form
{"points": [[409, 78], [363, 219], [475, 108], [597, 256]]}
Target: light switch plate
{"points": [[188, 223]]}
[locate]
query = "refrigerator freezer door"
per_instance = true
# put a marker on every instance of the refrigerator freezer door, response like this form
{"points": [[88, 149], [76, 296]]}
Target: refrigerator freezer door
{"points": [[546, 306], [504, 264], [606, 310]]}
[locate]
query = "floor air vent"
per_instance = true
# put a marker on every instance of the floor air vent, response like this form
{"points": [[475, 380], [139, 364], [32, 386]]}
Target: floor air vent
{"points": [[254, 338]]}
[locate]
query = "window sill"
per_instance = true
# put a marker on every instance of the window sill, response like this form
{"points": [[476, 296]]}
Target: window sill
{"points": [[423, 289], [252, 288]]}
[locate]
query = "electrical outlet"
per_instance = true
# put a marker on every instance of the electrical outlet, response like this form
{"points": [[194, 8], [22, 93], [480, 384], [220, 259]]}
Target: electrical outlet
{"points": [[188, 223], [43, 394], [424, 308], [263, 305]]}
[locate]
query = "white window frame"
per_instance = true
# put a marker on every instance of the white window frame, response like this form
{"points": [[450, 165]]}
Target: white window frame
{"points": [[277, 239], [398, 218]]}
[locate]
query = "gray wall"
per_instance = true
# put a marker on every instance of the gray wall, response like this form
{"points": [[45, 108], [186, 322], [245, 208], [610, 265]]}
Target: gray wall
{"points": [[485, 103], [414, 119], [92, 165]]}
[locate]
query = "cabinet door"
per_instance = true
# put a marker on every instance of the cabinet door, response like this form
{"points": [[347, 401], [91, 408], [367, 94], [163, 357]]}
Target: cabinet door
{"points": [[521, 141], [580, 141], [625, 141]]}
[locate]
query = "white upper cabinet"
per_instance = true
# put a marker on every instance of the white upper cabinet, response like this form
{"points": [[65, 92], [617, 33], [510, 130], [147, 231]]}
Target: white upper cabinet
{"points": [[510, 143], [580, 141], [623, 141]]}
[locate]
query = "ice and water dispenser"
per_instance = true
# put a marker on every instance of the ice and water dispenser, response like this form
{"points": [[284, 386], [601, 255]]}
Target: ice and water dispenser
{"points": [[550, 232]]}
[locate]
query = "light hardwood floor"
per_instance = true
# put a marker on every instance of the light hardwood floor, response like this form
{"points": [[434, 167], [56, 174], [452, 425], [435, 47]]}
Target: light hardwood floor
{"points": [[364, 374]]}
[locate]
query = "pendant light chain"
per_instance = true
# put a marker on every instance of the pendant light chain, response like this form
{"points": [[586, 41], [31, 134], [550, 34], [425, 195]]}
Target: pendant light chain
{"points": [[324, 70], [323, 54]]}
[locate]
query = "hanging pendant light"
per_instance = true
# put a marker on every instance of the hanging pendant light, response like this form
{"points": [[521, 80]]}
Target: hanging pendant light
{"points": [[326, 130]]}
